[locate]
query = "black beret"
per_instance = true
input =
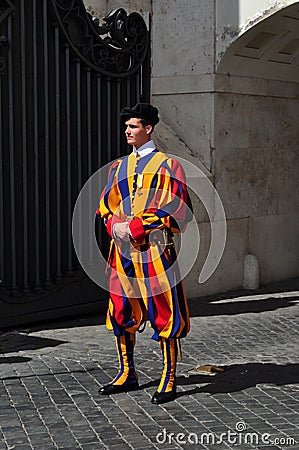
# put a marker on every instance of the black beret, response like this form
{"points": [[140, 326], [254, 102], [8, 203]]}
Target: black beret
{"points": [[141, 111]]}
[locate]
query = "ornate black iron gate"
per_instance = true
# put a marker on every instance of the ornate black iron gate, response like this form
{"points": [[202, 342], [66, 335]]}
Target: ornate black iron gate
{"points": [[63, 81]]}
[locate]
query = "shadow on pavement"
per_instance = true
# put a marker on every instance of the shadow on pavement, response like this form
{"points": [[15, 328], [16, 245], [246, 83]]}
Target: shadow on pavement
{"points": [[241, 376], [74, 322], [238, 302], [14, 341], [206, 307], [14, 359], [232, 302], [199, 307]]}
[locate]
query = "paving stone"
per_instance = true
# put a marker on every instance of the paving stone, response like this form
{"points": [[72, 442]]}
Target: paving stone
{"points": [[23, 447], [50, 394]]}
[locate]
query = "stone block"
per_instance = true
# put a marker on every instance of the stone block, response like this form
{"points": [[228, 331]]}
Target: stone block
{"points": [[139, 6], [256, 156], [229, 273], [183, 37], [191, 118], [251, 272], [97, 8], [275, 242], [100, 8]]}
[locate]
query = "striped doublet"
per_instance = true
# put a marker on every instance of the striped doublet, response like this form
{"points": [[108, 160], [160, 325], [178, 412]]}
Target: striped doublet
{"points": [[144, 279]]}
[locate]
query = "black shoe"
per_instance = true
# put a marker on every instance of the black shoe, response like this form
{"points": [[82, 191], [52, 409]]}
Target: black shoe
{"points": [[163, 397], [109, 389]]}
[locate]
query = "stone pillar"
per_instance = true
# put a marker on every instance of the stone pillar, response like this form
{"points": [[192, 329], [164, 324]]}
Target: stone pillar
{"points": [[100, 8], [183, 64], [140, 6], [97, 8]]}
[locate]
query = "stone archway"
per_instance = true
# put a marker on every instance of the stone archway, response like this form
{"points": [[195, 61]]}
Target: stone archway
{"points": [[268, 48], [256, 139]]}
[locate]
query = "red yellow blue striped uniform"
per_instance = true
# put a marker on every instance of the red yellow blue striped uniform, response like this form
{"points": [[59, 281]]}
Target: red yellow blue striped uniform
{"points": [[144, 280]]}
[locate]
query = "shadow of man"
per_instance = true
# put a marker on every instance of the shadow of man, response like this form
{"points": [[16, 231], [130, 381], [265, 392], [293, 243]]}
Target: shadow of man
{"points": [[241, 376]]}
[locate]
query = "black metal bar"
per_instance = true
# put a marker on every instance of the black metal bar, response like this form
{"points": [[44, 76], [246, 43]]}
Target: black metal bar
{"points": [[99, 119], [57, 140], [24, 151], [48, 280], [129, 91], [99, 225], [141, 84], [36, 151], [118, 128], [14, 288], [89, 146], [109, 150], [129, 79], [88, 118], [138, 86], [78, 117], [79, 139], [68, 157], [1, 193]]}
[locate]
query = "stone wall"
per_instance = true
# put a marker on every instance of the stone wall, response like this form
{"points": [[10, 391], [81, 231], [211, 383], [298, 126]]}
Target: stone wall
{"points": [[256, 173], [233, 111], [183, 59], [100, 8], [97, 8]]}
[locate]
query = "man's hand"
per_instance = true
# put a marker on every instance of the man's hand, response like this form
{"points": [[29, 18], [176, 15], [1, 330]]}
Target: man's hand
{"points": [[121, 230]]}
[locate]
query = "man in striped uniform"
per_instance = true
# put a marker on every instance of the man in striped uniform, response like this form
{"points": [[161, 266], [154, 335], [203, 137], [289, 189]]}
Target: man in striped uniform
{"points": [[144, 202]]}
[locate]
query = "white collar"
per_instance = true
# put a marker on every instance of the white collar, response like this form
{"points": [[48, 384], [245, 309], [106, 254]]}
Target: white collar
{"points": [[145, 149]]}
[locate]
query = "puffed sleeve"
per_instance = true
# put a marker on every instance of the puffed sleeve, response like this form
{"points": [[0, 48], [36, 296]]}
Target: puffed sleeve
{"points": [[109, 200]]}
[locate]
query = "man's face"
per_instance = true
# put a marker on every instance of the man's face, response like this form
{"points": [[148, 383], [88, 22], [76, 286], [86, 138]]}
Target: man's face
{"points": [[136, 134]]}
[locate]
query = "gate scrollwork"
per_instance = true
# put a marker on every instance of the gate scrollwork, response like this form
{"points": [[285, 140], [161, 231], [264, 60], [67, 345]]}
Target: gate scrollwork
{"points": [[64, 78], [6, 8], [116, 48]]}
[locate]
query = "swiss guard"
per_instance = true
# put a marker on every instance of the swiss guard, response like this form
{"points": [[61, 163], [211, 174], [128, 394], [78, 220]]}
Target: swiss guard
{"points": [[143, 204]]}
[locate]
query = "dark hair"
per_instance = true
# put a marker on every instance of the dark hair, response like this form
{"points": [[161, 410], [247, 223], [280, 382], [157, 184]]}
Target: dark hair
{"points": [[145, 122]]}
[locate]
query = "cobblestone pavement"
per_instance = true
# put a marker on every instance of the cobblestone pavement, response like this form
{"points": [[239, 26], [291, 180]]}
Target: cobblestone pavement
{"points": [[51, 373]]}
